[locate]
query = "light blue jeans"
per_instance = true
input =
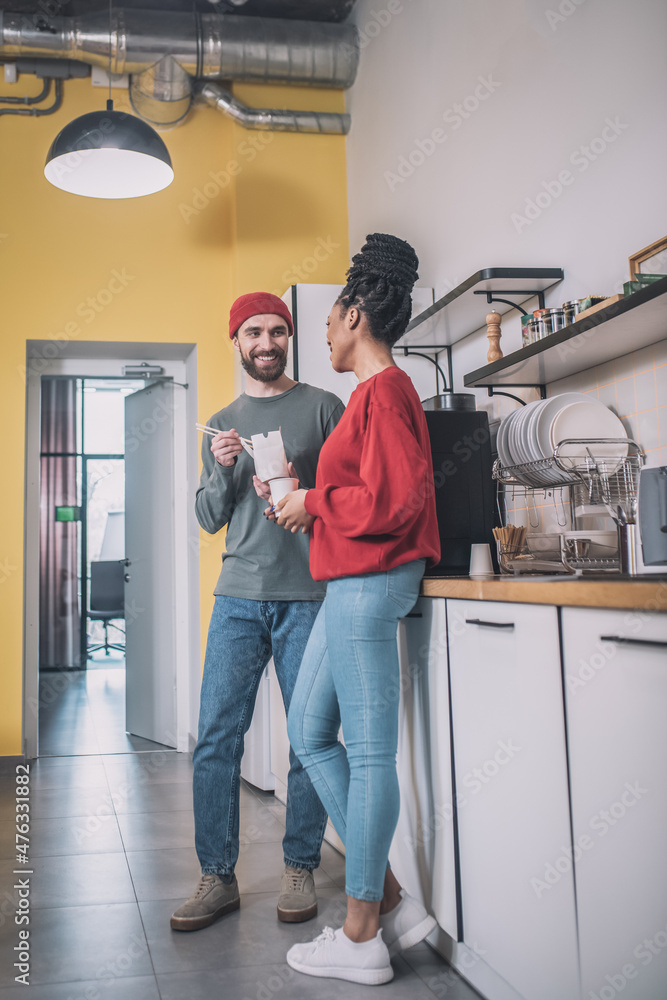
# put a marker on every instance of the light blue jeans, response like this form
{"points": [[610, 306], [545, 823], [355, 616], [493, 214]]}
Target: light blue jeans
{"points": [[242, 636], [350, 675]]}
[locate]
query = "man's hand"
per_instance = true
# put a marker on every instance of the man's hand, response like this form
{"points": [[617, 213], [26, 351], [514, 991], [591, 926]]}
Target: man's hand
{"points": [[225, 446], [291, 513], [263, 490]]}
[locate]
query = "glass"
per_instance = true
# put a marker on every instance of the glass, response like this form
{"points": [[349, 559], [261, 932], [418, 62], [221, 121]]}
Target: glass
{"points": [[103, 422], [106, 493]]}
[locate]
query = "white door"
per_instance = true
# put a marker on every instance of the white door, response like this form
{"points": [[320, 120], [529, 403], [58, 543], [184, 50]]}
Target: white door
{"points": [[616, 696], [422, 852], [517, 885], [150, 579]]}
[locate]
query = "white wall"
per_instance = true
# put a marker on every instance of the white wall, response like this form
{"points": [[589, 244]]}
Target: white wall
{"points": [[536, 82]]}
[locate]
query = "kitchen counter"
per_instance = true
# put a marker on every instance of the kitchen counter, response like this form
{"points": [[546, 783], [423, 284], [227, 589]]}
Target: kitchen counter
{"points": [[648, 593]]}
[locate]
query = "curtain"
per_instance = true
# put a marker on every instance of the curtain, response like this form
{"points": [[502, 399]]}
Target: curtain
{"points": [[59, 620]]}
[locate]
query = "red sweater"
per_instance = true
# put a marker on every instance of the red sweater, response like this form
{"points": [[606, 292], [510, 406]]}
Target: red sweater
{"points": [[373, 501]]}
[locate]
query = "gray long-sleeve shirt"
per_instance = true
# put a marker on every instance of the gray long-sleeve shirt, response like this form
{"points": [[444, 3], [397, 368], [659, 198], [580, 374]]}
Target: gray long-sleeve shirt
{"points": [[262, 561]]}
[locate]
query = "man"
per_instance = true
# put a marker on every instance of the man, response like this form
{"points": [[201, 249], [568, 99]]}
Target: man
{"points": [[265, 604]]}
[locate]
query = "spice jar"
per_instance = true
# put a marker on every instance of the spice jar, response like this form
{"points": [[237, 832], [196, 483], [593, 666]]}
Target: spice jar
{"points": [[570, 310], [557, 319], [544, 327]]}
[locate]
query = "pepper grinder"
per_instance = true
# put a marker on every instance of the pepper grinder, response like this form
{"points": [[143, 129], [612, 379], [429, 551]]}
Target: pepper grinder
{"points": [[493, 333]]}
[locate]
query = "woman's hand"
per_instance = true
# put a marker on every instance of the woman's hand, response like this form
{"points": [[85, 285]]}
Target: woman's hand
{"points": [[291, 513]]}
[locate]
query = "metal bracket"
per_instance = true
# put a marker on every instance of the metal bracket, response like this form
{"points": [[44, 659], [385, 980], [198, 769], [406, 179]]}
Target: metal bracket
{"points": [[409, 352], [492, 391], [491, 297]]}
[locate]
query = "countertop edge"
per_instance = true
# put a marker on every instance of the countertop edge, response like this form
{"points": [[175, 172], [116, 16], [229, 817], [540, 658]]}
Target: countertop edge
{"points": [[643, 594]]}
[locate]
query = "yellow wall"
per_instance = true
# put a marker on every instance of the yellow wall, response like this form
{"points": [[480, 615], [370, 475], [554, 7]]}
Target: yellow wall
{"points": [[214, 233]]}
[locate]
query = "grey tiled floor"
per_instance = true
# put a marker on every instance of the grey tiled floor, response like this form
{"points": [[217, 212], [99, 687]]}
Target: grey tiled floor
{"points": [[81, 711], [112, 853], [107, 878]]}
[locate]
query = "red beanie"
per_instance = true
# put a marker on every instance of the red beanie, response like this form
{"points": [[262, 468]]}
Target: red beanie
{"points": [[254, 304]]}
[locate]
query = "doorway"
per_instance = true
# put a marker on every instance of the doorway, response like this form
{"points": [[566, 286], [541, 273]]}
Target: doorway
{"points": [[120, 684]]}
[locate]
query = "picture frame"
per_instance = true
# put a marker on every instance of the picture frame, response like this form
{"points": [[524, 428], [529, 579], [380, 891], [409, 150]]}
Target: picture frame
{"points": [[651, 260]]}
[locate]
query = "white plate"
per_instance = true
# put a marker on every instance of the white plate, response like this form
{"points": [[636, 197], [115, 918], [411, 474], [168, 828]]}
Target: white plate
{"points": [[589, 419], [533, 444], [524, 441], [502, 444], [547, 413], [500, 439], [512, 437]]}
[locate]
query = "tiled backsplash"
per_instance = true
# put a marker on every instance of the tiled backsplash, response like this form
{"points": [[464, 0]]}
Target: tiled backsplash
{"points": [[635, 388]]}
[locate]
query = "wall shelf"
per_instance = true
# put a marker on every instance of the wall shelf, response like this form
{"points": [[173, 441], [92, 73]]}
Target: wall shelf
{"points": [[621, 328], [463, 310]]}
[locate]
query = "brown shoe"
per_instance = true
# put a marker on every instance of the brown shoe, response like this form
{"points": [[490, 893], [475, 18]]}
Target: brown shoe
{"points": [[297, 900], [211, 900]]}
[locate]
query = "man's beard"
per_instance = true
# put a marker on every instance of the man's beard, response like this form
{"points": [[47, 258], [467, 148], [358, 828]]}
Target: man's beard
{"points": [[270, 373]]}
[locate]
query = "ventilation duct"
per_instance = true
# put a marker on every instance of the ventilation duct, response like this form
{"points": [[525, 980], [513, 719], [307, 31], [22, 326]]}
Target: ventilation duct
{"points": [[165, 52], [276, 121]]}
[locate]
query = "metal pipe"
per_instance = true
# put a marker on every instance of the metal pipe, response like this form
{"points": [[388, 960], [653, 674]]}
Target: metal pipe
{"points": [[325, 122], [257, 49], [29, 100], [36, 112]]}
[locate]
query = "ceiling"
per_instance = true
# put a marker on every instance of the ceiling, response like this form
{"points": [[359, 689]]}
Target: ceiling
{"points": [[307, 10]]}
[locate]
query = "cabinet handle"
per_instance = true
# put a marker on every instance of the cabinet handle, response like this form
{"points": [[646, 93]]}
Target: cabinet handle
{"points": [[478, 621], [414, 614], [623, 641]]}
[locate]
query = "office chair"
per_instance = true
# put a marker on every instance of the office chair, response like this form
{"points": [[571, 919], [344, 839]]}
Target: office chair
{"points": [[106, 602]]}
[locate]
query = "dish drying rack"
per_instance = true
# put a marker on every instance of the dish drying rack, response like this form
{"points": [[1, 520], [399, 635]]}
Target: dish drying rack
{"points": [[596, 475]]}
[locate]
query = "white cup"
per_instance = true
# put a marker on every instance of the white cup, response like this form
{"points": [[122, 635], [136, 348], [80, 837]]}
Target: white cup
{"points": [[281, 487], [480, 560]]}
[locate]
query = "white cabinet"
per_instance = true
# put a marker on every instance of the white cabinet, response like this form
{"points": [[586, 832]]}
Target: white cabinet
{"points": [[616, 700], [511, 790], [422, 852]]}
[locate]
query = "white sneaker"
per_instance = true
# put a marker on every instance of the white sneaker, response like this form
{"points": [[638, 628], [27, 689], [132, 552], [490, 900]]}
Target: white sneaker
{"points": [[333, 955], [406, 925]]}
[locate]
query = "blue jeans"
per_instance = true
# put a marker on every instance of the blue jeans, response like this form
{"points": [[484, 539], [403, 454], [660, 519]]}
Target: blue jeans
{"points": [[242, 636], [350, 674]]}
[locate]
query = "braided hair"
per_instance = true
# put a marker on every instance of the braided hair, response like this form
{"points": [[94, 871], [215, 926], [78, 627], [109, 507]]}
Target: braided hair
{"points": [[379, 284]]}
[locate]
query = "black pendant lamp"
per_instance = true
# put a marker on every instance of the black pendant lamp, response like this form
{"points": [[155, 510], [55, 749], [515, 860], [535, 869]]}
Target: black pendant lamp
{"points": [[109, 154]]}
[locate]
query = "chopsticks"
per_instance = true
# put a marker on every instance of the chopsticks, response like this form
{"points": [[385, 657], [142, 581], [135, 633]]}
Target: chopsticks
{"points": [[205, 429], [511, 537], [212, 431]]}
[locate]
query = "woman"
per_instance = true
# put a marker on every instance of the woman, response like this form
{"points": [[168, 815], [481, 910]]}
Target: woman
{"points": [[373, 523]]}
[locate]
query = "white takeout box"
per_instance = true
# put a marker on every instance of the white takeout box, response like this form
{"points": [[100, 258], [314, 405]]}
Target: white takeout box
{"points": [[270, 458]]}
